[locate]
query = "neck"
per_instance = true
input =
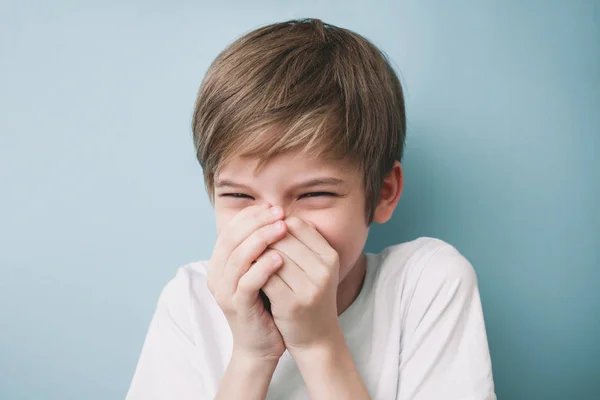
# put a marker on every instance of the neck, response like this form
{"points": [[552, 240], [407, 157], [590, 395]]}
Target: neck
{"points": [[350, 286]]}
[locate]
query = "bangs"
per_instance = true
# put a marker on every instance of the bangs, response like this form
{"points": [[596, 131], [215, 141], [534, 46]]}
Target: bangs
{"points": [[315, 134]]}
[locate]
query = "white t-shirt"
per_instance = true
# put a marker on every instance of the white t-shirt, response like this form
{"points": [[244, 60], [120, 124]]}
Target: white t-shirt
{"points": [[415, 331]]}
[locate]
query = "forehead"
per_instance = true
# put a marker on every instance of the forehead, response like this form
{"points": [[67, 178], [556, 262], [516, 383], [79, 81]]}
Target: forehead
{"points": [[288, 166]]}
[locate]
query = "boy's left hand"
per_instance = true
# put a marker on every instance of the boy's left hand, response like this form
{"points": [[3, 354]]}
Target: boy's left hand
{"points": [[303, 293]]}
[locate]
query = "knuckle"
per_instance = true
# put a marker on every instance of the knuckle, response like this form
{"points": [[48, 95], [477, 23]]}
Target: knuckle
{"points": [[265, 257], [255, 218], [312, 296], [243, 284], [260, 215], [332, 257], [235, 303], [264, 238], [293, 222], [308, 299], [235, 257], [323, 279]]}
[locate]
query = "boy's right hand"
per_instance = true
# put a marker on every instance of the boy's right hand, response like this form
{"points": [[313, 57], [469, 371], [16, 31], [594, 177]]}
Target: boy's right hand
{"points": [[238, 269]]}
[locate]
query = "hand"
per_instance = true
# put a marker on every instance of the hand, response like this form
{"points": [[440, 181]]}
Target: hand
{"points": [[240, 265], [303, 292]]}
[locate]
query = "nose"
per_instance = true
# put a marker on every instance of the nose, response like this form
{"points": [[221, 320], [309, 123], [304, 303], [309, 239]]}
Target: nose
{"points": [[288, 210]]}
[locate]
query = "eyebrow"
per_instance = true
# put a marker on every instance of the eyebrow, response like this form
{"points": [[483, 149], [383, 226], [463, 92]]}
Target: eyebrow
{"points": [[328, 181]]}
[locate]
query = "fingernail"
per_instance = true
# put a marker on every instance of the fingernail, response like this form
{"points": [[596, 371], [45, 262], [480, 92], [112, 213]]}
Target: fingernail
{"points": [[278, 225]]}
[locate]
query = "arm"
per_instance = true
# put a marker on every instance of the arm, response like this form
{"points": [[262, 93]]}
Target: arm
{"points": [[330, 373], [246, 378]]}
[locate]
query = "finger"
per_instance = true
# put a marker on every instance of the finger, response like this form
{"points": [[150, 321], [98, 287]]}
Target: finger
{"points": [[223, 245], [277, 290], [304, 258], [239, 229], [294, 277], [256, 277], [248, 251], [306, 233]]}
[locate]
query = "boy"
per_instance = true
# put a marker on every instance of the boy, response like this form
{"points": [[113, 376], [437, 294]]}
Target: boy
{"points": [[299, 127]]}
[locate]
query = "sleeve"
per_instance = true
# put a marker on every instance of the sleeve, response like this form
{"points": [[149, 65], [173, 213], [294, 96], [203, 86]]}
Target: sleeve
{"points": [[168, 368], [444, 351]]}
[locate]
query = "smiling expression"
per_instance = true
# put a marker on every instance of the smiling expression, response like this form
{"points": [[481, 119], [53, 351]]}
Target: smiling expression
{"points": [[329, 195]]}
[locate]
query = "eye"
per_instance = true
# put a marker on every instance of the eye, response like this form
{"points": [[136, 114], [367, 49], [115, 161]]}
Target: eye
{"points": [[318, 194], [236, 195]]}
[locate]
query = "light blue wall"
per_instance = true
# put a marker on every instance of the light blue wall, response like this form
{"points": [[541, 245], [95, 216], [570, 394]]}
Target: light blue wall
{"points": [[101, 197]]}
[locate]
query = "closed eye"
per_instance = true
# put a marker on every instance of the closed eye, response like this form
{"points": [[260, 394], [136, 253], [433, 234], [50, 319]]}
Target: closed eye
{"points": [[318, 194], [236, 195], [306, 195]]}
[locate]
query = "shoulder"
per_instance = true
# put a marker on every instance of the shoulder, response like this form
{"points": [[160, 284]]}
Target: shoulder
{"points": [[423, 271], [425, 261], [183, 295], [430, 278], [189, 281], [186, 305]]}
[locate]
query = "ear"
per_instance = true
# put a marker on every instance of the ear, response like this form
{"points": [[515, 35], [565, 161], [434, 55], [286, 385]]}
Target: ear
{"points": [[389, 194]]}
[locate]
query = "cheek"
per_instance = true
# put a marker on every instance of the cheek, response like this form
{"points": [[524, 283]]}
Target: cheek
{"points": [[222, 218]]}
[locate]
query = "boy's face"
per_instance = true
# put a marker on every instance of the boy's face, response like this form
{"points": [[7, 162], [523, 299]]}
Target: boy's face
{"points": [[328, 194]]}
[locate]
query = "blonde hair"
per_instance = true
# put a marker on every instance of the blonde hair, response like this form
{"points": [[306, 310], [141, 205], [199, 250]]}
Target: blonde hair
{"points": [[301, 85]]}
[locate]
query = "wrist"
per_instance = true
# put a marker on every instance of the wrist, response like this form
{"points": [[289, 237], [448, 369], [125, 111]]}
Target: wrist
{"points": [[329, 371], [246, 377], [254, 363], [323, 353]]}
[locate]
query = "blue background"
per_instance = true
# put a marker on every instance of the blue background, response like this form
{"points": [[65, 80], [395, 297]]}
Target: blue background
{"points": [[101, 198]]}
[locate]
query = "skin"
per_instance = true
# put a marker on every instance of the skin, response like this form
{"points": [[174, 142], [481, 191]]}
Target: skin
{"points": [[311, 265]]}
